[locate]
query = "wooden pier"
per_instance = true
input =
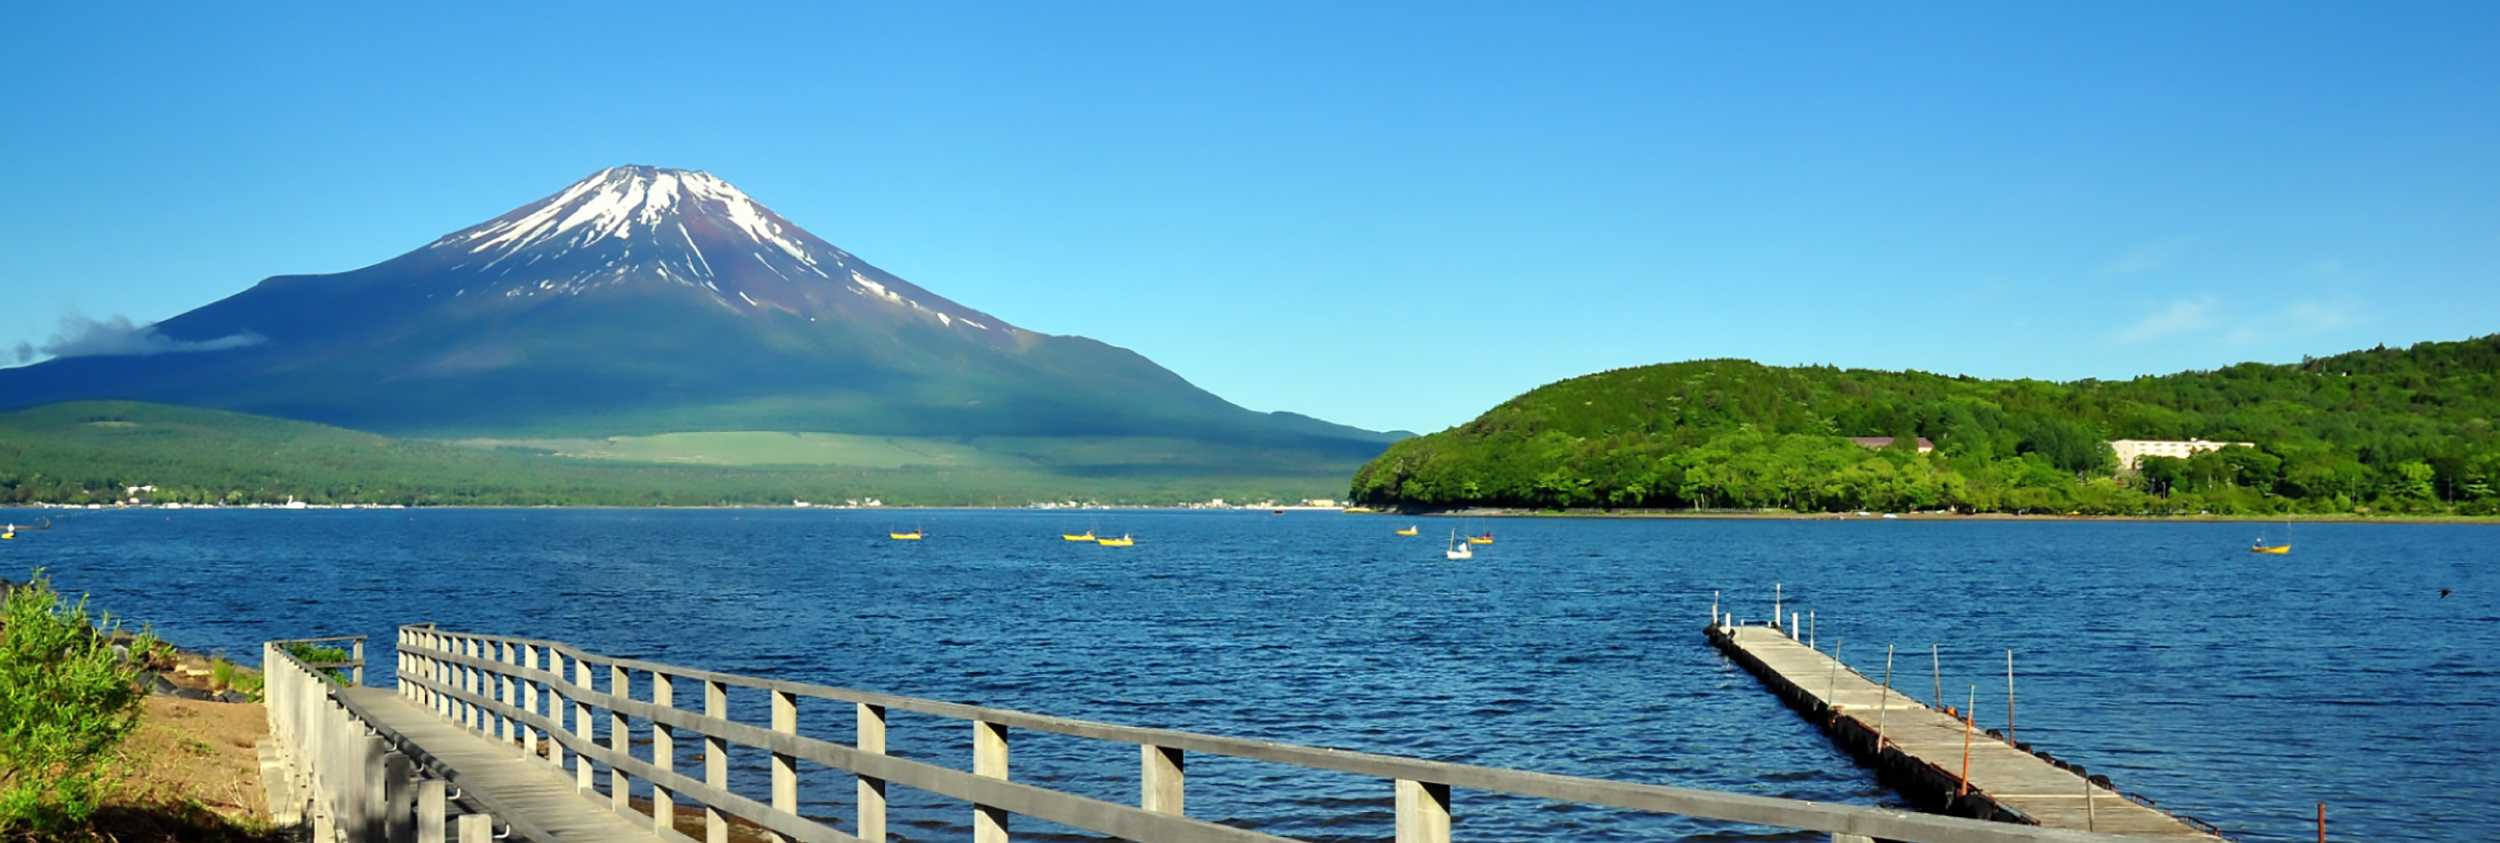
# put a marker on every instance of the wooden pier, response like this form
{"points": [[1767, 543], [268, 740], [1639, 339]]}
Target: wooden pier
{"points": [[1924, 752]]}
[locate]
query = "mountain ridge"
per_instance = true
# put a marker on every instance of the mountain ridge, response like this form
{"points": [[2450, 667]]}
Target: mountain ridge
{"points": [[642, 300]]}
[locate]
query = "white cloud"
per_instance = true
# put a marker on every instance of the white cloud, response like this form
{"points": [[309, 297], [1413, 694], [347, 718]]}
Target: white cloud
{"points": [[2149, 256], [2179, 318], [116, 336]]}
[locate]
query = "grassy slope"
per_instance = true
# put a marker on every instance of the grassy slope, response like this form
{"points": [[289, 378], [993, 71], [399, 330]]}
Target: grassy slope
{"points": [[89, 451]]}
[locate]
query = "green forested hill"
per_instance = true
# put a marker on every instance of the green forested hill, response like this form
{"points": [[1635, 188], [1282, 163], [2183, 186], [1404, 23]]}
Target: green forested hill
{"points": [[94, 451], [2383, 430]]}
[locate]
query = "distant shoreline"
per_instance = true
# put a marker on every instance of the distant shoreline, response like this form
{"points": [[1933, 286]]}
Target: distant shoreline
{"points": [[1478, 512], [1494, 512]]}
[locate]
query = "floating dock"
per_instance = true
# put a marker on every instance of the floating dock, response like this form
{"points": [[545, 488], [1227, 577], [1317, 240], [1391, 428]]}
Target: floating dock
{"points": [[1922, 752]]}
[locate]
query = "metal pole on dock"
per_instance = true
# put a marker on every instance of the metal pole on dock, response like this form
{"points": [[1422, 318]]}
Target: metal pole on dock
{"points": [[1776, 617], [1935, 659], [1967, 725], [1714, 608], [1885, 707], [2009, 696], [1809, 629], [2089, 820]]}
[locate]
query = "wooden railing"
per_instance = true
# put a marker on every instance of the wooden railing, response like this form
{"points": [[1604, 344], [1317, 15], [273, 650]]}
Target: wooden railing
{"points": [[520, 691], [346, 778]]}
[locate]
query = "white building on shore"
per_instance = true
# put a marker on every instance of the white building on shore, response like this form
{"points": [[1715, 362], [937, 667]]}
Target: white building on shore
{"points": [[2131, 452]]}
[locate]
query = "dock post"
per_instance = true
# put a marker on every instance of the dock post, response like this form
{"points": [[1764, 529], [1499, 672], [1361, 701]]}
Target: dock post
{"points": [[663, 754], [872, 789], [2089, 820], [1714, 608], [1809, 629], [989, 758], [715, 760], [1423, 812], [620, 739], [1161, 779], [431, 811], [584, 728], [2009, 696], [1775, 604], [1885, 706], [785, 767]]}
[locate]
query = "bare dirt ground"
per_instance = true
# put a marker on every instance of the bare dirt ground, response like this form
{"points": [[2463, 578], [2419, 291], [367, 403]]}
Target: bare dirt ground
{"points": [[190, 773]]}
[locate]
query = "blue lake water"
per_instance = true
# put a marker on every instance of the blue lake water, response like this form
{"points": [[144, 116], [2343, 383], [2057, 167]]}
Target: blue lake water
{"points": [[2239, 688]]}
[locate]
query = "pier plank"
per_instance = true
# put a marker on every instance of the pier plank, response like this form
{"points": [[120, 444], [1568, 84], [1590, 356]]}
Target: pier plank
{"points": [[546, 795], [1913, 733]]}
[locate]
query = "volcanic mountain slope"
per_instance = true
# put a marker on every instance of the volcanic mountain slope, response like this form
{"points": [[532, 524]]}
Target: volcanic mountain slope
{"points": [[644, 300]]}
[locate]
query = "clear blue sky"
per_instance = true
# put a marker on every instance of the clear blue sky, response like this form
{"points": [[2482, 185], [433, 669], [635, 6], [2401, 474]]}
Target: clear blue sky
{"points": [[1392, 216]]}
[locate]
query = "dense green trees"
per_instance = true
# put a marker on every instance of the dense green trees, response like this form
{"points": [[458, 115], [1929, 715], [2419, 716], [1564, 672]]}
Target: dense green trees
{"points": [[2382, 430]]}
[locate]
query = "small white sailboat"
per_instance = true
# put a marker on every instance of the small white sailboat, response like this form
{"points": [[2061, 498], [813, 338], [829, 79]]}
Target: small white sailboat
{"points": [[1459, 549]]}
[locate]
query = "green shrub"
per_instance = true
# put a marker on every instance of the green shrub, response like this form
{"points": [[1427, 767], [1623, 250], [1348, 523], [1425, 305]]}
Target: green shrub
{"points": [[312, 654], [66, 702]]}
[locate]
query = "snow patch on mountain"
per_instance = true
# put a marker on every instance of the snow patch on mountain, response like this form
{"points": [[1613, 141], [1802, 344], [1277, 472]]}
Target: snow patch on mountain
{"points": [[649, 225]]}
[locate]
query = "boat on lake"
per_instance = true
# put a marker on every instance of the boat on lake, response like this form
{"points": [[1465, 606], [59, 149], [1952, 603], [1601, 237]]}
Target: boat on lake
{"points": [[912, 536], [1459, 549], [1078, 537], [1123, 541], [1408, 531], [2277, 549], [1487, 538]]}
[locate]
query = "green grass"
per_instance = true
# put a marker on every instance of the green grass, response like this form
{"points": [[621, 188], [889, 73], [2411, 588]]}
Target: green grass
{"points": [[758, 447], [92, 452]]}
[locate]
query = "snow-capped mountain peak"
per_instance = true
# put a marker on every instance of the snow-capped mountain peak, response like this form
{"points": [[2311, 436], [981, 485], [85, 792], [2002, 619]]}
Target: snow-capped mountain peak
{"points": [[639, 225]]}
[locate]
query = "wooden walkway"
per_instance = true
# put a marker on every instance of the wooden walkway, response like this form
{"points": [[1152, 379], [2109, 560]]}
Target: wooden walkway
{"points": [[1922, 748], [516, 785]]}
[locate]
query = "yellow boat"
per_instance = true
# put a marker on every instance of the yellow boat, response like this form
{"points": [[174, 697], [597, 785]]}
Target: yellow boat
{"points": [[2277, 549], [1407, 532], [912, 536], [1122, 541], [1078, 537], [1487, 538]]}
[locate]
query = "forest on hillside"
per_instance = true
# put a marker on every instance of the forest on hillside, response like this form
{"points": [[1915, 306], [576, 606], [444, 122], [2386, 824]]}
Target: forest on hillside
{"points": [[2384, 430]]}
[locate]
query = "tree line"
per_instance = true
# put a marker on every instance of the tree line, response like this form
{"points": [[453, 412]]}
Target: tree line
{"points": [[2383, 430]]}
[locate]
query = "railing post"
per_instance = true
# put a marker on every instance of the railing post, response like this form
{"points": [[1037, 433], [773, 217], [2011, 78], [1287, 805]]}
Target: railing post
{"points": [[1160, 778], [399, 808], [505, 723], [785, 767], [473, 682], [360, 662], [1423, 812], [715, 760], [530, 691], [430, 811], [372, 801], [871, 788], [583, 727], [989, 758], [663, 755], [620, 738], [477, 828]]}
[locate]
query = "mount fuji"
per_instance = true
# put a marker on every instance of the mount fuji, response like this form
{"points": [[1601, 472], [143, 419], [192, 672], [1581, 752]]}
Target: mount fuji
{"points": [[649, 300]]}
